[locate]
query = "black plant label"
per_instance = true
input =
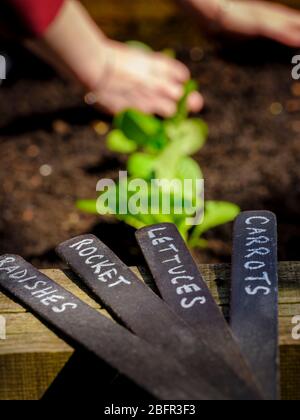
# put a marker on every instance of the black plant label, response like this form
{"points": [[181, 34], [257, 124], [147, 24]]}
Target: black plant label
{"points": [[154, 370], [119, 289], [182, 286], [254, 297], [137, 306], [177, 276]]}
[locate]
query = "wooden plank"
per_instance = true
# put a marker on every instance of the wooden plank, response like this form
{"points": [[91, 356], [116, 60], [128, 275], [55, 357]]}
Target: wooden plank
{"points": [[29, 341], [217, 278], [150, 318], [26, 376], [162, 375]]}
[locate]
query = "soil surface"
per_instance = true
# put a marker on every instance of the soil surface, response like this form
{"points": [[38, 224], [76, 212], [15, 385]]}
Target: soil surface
{"points": [[52, 155]]}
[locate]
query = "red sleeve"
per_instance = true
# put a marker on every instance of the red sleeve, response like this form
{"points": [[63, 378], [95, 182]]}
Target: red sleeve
{"points": [[35, 15]]}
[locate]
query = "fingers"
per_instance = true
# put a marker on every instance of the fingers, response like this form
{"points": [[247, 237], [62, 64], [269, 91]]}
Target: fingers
{"points": [[142, 100], [195, 102], [166, 98], [261, 18], [164, 108], [288, 37], [172, 69], [167, 85], [281, 24], [150, 82], [284, 11], [170, 87], [285, 35], [169, 90], [150, 104]]}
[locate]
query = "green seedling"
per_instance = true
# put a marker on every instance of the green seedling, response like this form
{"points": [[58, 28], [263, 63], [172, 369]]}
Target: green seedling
{"points": [[162, 149]]}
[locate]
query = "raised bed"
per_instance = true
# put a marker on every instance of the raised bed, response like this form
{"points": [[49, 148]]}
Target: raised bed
{"points": [[32, 356]]}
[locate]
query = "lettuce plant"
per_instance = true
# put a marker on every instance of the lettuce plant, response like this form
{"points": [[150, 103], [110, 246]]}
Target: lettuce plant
{"points": [[162, 149]]}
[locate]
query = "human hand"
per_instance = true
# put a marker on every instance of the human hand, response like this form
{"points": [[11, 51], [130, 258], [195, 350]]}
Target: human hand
{"points": [[132, 78], [115, 75], [259, 18]]}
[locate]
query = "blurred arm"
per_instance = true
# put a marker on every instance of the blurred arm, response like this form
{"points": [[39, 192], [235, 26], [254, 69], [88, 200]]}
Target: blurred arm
{"points": [[31, 17], [209, 9], [61, 32], [251, 18]]}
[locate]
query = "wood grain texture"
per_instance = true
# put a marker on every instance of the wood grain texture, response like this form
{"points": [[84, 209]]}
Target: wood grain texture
{"points": [[32, 356]]}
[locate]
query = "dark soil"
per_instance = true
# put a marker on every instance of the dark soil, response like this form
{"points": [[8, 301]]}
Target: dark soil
{"points": [[251, 158]]}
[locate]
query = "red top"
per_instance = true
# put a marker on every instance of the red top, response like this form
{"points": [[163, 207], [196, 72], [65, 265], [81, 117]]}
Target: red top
{"points": [[34, 15]]}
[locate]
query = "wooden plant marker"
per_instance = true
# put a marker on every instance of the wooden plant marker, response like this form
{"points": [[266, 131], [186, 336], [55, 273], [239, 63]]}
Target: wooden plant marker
{"points": [[142, 311], [155, 371], [182, 286], [254, 297]]}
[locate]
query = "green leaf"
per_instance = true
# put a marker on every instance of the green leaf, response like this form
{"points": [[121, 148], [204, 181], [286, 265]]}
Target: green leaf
{"points": [[157, 143], [188, 168], [141, 165], [166, 164], [187, 138], [199, 243], [190, 135], [88, 206], [139, 127], [144, 217], [183, 228], [217, 213], [182, 108], [118, 142]]}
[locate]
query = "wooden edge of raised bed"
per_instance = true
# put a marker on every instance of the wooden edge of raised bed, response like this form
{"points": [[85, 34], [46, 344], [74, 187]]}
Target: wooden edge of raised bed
{"points": [[32, 355]]}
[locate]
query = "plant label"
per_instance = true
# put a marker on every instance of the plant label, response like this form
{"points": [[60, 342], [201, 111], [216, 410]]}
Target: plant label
{"points": [[119, 289], [184, 289], [143, 312], [254, 297], [155, 371]]}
